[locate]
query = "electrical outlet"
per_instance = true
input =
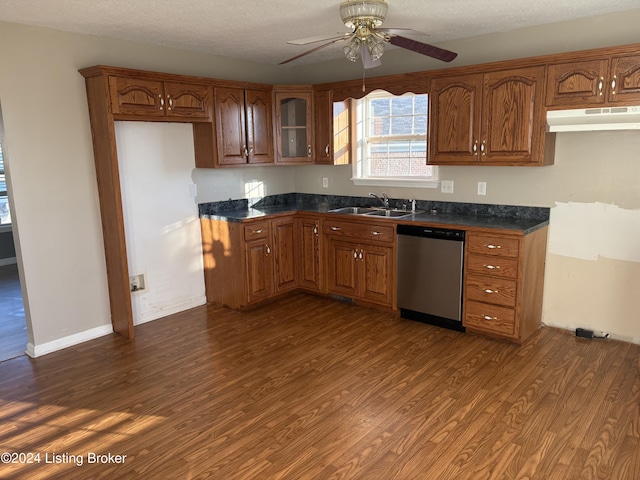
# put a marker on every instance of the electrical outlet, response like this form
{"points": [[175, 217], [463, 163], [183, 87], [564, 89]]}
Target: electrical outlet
{"points": [[482, 188], [446, 186], [325, 182], [137, 283]]}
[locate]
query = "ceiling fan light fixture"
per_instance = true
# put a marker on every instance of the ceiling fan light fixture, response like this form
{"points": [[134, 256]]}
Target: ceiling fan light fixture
{"points": [[353, 12], [375, 47], [352, 49]]}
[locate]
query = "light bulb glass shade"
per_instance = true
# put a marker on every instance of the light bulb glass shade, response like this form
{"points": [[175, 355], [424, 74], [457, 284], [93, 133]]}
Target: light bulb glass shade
{"points": [[373, 11], [352, 49], [376, 47]]}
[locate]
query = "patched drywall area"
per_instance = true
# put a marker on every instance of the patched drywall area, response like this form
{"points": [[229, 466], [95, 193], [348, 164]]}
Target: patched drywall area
{"points": [[593, 269]]}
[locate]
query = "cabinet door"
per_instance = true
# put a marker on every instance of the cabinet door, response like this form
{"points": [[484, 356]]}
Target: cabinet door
{"points": [[625, 80], [309, 253], [187, 100], [134, 96], [284, 252], [342, 268], [259, 126], [294, 127], [258, 274], [578, 83], [376, 274], [323, 121], [230, 126], [512, 128], [454, 117]]}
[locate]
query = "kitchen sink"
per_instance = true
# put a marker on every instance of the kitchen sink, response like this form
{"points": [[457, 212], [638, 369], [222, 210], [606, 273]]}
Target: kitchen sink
{"points": [[354, 210], [393, 213], [374, 212]]}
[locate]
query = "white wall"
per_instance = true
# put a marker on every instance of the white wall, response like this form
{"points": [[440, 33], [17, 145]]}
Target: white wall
{"points": [[162, 227]]}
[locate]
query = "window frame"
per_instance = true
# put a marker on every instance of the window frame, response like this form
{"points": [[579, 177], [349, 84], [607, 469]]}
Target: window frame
{"points": [[360, 140]]}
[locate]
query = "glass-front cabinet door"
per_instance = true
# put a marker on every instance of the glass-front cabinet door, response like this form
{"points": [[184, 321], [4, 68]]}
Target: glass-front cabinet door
{"points": [[294, 123]]}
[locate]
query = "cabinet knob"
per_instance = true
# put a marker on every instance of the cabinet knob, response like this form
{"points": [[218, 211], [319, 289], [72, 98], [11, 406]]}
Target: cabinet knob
{"points": [[268, 250], [161, 102], [482, 147], [475, 147], [309, 150], [600, 85], [170, 101]]}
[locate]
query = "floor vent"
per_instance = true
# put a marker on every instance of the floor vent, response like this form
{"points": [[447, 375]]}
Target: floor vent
{"points": [[340, 298]]}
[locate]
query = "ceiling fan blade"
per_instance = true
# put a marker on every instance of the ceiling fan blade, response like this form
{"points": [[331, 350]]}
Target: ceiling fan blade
{"points": [[423, 48], [317, 38], [401, 31], [367, 61], [313, 50]]}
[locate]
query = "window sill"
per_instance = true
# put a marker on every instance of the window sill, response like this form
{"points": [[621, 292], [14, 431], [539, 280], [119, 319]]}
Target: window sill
{"points": [[395, 182]]}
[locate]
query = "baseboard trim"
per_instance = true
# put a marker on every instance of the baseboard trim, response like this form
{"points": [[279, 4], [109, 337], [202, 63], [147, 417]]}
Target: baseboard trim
{"points": [[35, 351], [170, 310]]}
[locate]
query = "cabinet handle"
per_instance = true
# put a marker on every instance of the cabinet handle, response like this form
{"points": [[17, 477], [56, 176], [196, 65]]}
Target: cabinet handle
{"points": [[488, 317], [482, 147], [326, 150], [161, 102], [489, 291], [600, 85], [245, 152], [475, 147], [336, 229], [170, 102], [355, 254], [492, 267], [268, 250], [315, 230], [491, 246], [360, 255], [375, 234], [257, 231], [309, 150], [613, 85]]}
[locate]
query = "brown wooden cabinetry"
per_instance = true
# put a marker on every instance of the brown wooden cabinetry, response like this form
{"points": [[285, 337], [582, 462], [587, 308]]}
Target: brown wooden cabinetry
{"points": [[360, 259], [131, 96], [490, 119], [309, 250], [503, 283], [294, 125], [603, 81], [244, 131]]}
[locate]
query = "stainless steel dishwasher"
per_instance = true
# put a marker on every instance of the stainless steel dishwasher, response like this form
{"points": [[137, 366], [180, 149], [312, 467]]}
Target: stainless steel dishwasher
{"points": [[429, 273]]}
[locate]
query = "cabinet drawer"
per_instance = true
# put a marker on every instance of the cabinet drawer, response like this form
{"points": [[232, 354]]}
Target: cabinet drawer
{"points": [[256, 230], [360, 231], [493, 266], [493, 245], [491, 290], [490, 318]]}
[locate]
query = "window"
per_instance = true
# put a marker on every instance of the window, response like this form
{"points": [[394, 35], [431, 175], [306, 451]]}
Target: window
{"points": [[5, 214], [392, 141]]}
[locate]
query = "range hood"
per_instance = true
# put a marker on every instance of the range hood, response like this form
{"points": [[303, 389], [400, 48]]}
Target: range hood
{"points": [[588, 119]]}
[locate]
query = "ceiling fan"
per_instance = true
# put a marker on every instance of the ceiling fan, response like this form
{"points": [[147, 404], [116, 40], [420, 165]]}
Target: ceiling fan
{"points": [[366, 39]]}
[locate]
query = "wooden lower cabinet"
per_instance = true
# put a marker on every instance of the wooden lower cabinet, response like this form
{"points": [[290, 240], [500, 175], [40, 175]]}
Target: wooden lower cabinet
{"points": [[248, 263], [504, 275], [360, 261], [309, 250]]}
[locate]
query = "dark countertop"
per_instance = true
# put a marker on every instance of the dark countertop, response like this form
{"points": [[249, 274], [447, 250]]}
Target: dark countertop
{"points": [[456, 217]]}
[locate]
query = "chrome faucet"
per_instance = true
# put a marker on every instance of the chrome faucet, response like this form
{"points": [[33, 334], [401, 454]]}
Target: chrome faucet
{"points": [[384, 200]]}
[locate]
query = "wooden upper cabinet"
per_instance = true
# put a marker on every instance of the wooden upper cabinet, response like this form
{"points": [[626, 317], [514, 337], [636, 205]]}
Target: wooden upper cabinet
{"points": [[323, 121], [455, 106], [155, 99], [513, 122], [294, 126], [243, 126], [614, 81], [495, 118]]}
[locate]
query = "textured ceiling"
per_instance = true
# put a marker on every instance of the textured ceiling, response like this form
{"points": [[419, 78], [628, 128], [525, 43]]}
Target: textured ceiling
{"points": [[256, 30]]}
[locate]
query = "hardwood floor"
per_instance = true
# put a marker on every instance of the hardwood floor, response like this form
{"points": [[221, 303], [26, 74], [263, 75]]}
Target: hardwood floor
{"points": [[307, 388], [13, 328]]}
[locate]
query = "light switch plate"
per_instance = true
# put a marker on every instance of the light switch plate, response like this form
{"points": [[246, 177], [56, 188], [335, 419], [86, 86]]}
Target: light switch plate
{"points": [[446, 186], [325, 182], [482, 188]]}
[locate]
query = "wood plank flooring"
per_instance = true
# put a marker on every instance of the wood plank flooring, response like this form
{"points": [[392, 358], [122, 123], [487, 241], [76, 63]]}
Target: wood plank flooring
{"points": [[307, 388], [13, 327]]}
